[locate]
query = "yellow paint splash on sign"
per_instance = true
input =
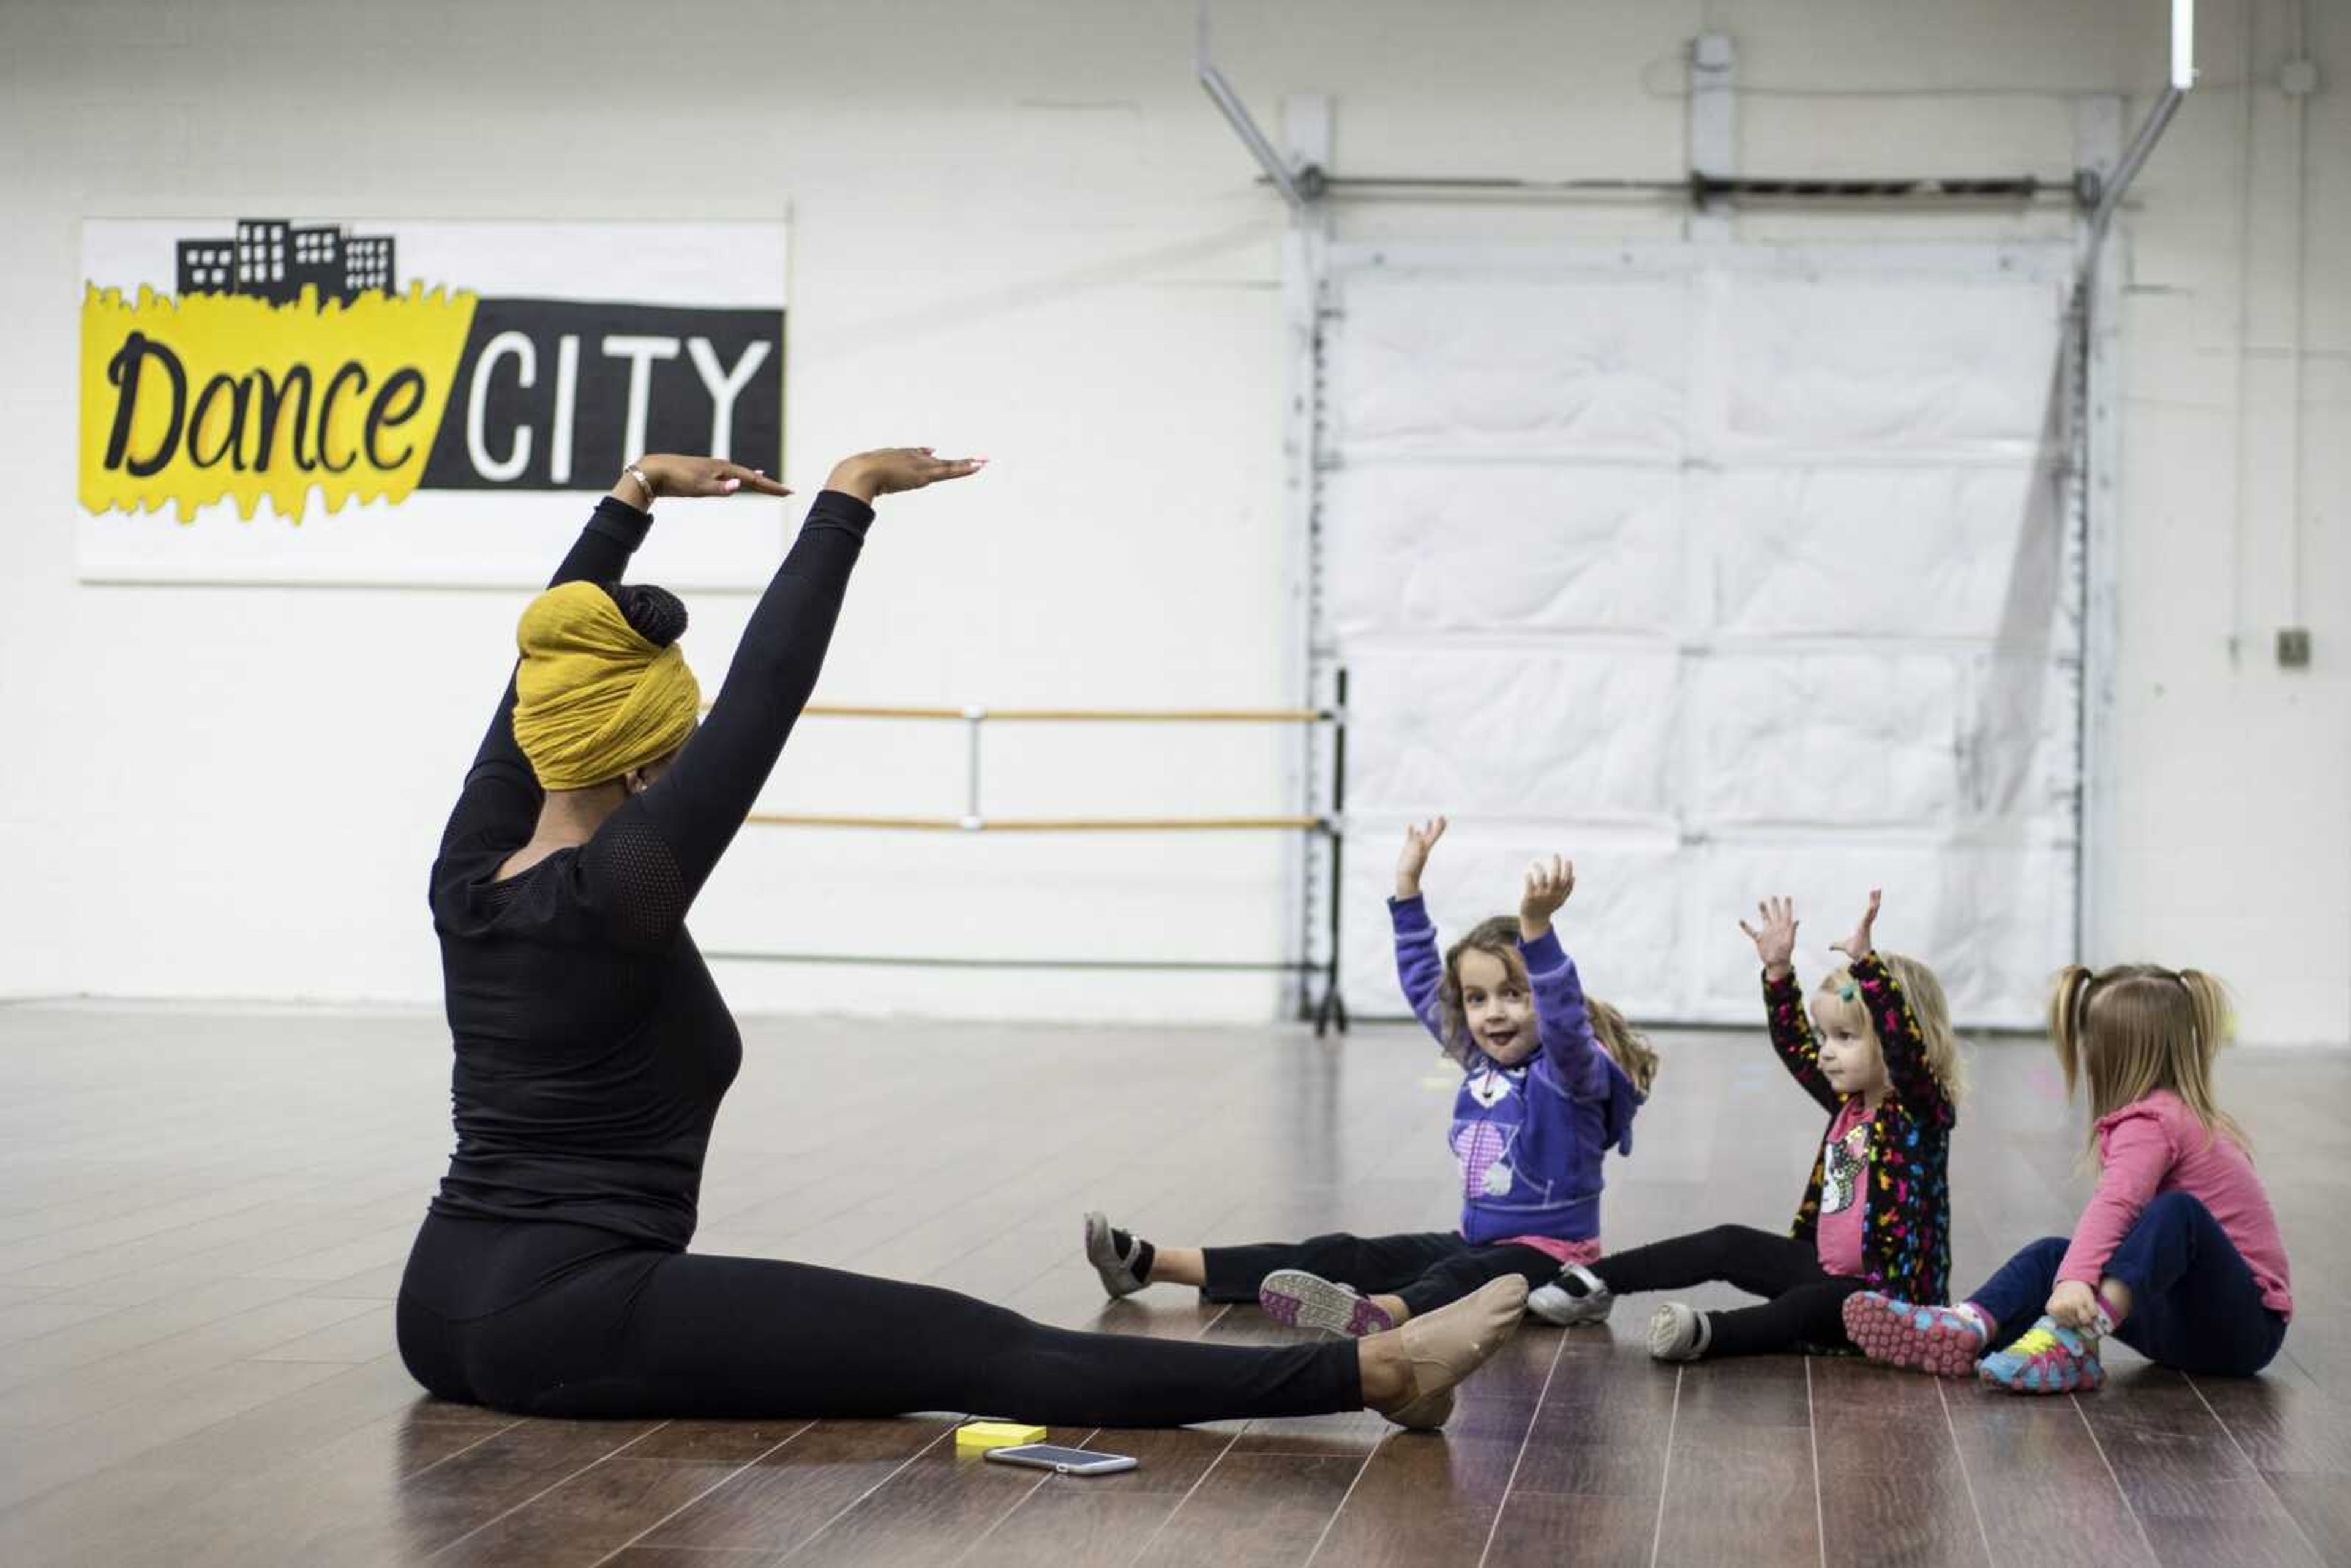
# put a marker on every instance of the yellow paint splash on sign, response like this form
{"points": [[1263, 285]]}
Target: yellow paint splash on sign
{"points": [[192, 401]]}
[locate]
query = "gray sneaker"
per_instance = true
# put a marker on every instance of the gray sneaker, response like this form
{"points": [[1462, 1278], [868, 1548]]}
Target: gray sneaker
{"points": [[1577, 1296], [1114, 1263]]}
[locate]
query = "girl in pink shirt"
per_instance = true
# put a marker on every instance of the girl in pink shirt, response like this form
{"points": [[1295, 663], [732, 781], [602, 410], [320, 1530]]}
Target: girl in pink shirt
{"points": [[2177, 1254]]}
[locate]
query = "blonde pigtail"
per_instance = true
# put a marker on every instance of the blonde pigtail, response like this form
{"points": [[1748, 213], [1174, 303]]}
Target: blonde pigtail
{"points": [[2216, 1021], [2133, 1029], [2216, 1026], [2065, 998]]}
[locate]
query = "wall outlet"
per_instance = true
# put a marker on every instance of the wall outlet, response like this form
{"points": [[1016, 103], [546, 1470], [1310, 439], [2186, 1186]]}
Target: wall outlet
{"points": [[2294, 647]]}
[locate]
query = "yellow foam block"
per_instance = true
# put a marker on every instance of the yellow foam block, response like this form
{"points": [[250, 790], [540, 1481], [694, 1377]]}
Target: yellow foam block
{"points": [[979, 1437]]}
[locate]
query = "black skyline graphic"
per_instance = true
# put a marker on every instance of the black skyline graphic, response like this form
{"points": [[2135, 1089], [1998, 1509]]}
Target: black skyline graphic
{"points": [[272, 259]]}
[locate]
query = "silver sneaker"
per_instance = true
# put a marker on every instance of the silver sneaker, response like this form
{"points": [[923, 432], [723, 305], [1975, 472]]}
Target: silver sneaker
{"points": [[1553, 1304], [1678, 1332], [1102, 1251]]}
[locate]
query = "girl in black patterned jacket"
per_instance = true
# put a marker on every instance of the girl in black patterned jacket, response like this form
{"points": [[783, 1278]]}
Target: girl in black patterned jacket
{"points": [[1885, 1066]]}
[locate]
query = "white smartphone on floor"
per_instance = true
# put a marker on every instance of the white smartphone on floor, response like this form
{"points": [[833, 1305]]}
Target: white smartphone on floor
{"points": [[1065, 1461]]}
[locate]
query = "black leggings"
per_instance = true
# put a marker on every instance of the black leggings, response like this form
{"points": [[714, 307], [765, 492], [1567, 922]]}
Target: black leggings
{"points": [[1807, 1304], [543, 1319], [1425, 1270]]}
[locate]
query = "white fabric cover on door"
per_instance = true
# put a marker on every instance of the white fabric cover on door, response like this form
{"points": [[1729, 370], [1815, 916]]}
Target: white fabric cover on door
{"points": [[1725, 571]]}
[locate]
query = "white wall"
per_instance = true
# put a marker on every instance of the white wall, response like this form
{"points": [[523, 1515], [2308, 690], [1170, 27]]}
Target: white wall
{"points": [[1019, 229]]}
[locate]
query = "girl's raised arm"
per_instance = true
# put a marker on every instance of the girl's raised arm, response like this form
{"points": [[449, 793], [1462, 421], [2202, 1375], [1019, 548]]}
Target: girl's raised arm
{"points": [[1900, 1037], [1572, 1062], [1419, 968], [1783, 1000]]}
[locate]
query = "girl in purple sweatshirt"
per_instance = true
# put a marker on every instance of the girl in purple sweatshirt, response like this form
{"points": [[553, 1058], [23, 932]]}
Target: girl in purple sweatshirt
{"points": [[1550, 1082], [2177, 1254]]}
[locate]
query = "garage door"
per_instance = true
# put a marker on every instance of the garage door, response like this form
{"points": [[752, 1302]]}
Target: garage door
{"points": [[1726, 571]]}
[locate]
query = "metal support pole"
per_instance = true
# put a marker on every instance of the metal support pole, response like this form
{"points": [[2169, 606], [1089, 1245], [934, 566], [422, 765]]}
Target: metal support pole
{"points": [[2098, 441], [2111, 189], [1333, 1007], [972, 718], [1298, 188], [1713, 131]]}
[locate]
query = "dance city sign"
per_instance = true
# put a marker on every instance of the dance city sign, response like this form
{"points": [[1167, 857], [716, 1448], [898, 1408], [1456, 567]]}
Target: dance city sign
{"points": [[389, 400]]}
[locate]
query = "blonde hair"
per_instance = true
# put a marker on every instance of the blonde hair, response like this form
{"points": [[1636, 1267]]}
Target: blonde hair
{"points": [[2137, 1028], [1627, 1046], [1838, 1001], [1498, 937]]}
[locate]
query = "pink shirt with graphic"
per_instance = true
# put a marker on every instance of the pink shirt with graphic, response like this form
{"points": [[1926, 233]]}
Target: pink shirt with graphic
{"points": [[2156, 1145], [1845, 1191]]}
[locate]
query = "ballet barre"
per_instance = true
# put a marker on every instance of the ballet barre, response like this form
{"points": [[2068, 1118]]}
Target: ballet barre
{"points": [[1326, 1010]]}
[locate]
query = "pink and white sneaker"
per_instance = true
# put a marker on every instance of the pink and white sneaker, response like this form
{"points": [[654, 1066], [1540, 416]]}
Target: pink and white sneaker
{"points": [[1940, 1340], [1302, 1299]]}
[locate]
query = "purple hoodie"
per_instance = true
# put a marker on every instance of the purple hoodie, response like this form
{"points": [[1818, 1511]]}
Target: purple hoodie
{"points": [[1530, 1138]]}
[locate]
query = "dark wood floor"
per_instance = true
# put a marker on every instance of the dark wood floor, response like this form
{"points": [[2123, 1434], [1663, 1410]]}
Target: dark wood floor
{"points": [[202, 1217]]}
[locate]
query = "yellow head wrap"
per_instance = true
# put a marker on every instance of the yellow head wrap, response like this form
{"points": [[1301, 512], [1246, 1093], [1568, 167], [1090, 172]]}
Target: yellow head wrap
{"points": [[594, 698]]}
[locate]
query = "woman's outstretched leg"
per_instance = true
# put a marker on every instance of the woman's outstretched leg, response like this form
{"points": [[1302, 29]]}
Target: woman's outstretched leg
{"points": [[690, 1335]]}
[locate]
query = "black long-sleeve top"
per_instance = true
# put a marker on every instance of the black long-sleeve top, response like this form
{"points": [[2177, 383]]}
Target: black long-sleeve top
{"points": [[593, 1046]]}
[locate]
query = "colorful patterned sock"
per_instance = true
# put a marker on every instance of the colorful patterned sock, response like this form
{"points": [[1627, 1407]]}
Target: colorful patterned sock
{"points": [[1945, 1341], [2047, 1358], [1302, 1299]]}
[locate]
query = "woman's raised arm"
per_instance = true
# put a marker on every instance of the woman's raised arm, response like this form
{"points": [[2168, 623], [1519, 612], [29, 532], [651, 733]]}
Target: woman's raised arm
{"points": [[699, 802]]}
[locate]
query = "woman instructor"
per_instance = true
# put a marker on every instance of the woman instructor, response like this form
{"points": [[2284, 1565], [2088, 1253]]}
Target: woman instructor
{"points": [[552, 1275]]}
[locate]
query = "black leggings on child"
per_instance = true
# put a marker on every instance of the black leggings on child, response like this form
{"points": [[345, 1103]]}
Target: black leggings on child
{"points": [[543, 1319], [1425, 1270], [1807, 1304]]}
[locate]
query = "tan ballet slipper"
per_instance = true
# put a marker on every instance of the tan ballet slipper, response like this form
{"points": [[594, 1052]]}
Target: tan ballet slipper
{"points": [[1445, 1346]]}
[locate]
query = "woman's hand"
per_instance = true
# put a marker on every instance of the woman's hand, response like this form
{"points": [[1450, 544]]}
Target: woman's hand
{"points": [[668, 474], [1857, 945], [1413, 859], [2074, 1304], [1775, 944], [890, 469], [1548, 884]]}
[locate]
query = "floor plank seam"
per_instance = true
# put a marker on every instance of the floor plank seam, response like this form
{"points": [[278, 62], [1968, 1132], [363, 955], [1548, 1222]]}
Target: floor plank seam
{"points": [[1666, 1472], [2267, 1485], [896, 1470], [1161, 1528], [2128, 1508], [517, 1508], [1525, 1438], [1812, 1431], [1016, 1504], [1353, 1481], [698, 1497], [427, 1469], [1983, 1532], [167, 1229]]}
